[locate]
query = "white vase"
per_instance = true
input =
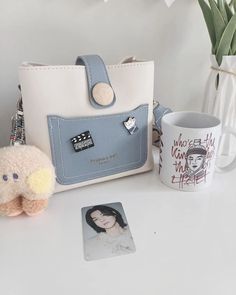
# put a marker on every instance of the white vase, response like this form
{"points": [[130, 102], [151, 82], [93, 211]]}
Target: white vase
{"points": [[220, 99]]}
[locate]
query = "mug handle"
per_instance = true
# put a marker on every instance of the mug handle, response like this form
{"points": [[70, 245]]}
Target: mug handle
{"points": [[232, 164]]}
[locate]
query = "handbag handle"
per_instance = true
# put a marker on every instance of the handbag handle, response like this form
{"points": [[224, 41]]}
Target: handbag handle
{"points": [[158, 112]]}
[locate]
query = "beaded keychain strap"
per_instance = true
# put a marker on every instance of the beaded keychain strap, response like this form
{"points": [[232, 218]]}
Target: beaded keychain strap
{"points": [[18, 125]]}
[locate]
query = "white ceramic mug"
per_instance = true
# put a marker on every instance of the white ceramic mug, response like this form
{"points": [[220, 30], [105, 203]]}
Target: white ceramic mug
{"points": [[188, 151]]}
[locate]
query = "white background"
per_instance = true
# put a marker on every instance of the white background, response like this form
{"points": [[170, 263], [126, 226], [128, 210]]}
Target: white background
{"points": [[56, 31]]}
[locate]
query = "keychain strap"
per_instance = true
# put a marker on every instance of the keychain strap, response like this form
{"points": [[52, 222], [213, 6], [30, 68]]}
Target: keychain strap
{"points": [[18, 125]]}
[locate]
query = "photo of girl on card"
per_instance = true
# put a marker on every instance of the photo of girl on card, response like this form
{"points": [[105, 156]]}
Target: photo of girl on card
{"points": [[106, 232]]}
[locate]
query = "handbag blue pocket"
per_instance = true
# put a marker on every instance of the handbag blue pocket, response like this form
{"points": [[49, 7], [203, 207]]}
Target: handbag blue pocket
{"points": [[86, 148]]}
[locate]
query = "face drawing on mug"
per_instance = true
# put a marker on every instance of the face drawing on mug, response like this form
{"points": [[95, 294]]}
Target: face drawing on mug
{"points": [[195, 161], [192, 158]]}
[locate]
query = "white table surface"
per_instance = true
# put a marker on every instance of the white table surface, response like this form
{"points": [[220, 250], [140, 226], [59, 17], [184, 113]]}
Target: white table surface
{"points": [[186, 242]]}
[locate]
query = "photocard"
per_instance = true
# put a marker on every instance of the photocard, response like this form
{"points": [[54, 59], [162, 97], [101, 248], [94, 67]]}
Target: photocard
{"points": [[106, 232]]}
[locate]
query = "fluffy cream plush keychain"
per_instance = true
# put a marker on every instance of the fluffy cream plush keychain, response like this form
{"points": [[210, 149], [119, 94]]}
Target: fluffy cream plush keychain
{"points": [[27, 180], [27, 176]]}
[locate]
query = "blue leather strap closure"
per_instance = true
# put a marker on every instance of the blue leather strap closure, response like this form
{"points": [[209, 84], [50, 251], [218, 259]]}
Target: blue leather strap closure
{"points": [[101, 94]]}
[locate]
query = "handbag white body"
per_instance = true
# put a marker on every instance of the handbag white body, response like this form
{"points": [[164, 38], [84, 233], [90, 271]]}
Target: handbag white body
{"points": [[62, 92]]}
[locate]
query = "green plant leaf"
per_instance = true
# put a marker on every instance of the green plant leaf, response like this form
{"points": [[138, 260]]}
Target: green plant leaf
{"points": [[222, 10], [228, 11], [209, 22], [226, 39], [218, 21], [233, 45]]}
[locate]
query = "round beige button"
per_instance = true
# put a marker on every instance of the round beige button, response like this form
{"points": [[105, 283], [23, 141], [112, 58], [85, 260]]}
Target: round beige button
{"points": [[103, 94]]}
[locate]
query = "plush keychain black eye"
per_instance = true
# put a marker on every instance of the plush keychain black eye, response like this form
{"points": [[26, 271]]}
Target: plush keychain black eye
{"points": [[15, 176], [5, 177]]}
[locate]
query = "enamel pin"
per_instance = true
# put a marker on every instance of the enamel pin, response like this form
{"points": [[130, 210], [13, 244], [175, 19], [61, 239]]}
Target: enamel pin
{"points": [[82, 141], [130, 125]]}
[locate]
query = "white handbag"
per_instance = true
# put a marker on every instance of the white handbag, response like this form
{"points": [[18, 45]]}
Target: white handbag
{"points": [[93, 121]]}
